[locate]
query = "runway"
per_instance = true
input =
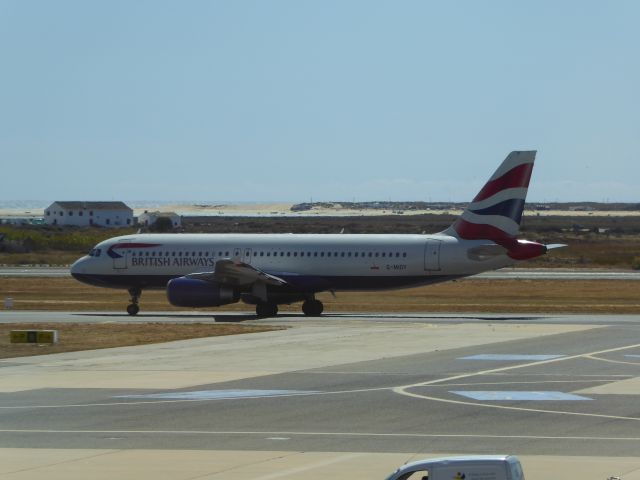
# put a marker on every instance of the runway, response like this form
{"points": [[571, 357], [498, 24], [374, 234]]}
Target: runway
{"points": [[503, 274], [346, 387]]}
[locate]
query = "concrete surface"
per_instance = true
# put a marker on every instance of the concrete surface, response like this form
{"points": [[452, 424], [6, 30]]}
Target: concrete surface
{"points": [[377, 391]]}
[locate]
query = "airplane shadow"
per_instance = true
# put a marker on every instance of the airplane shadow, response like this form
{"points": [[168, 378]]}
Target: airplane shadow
{"points": [[240, 317]]}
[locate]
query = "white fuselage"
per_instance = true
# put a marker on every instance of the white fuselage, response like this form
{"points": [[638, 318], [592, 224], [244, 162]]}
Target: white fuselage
{"points": [[312, 262]]}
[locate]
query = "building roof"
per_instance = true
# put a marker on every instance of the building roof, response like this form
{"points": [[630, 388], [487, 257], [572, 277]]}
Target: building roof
{"points": [[94, 205], [160, 214]]}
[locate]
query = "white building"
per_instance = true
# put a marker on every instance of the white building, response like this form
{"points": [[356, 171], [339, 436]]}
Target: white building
{"points": [[149, 218], [82, 214]]}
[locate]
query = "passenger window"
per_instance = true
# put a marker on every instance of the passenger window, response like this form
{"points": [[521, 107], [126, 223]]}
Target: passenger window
{"points": [[404, 254], [383, 254], [268, 254], [322, 254], [342, 254], [302, 254], [328, 254], [282, 254], [199, 254], [349, 254], [262, 254], [370, 254], [377, 254], [355, 254], [295, 254], [226, 254], [397, 254]]}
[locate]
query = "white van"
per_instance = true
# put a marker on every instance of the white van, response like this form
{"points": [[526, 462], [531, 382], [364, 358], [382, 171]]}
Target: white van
{"points": [[469, 467]]}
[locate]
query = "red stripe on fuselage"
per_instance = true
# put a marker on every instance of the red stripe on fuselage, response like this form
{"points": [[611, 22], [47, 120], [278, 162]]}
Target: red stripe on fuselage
{"points": [[517, 177], [480, 231], [517, 249]]}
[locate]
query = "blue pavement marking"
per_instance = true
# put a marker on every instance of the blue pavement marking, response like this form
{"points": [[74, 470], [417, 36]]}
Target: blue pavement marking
{"points": [[518, 395], [497, 356], [218, 394]]}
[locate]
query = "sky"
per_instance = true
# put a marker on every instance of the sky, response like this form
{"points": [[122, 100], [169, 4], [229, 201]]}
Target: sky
{"points": [[259, 101]]}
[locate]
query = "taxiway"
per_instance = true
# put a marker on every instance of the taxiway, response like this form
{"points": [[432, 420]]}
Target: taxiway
{"points": [[351, 388]]}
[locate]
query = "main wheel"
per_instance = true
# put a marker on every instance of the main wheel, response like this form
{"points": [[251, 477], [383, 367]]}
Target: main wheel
{"points": [[312, 308], [133, 309], [266, 309]]}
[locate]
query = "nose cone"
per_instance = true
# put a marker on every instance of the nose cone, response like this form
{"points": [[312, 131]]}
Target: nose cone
{"points": [[78, 269]]}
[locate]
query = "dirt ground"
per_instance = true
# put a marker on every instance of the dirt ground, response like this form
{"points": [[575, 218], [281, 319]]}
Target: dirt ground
{"points": [[90, 336], [469, 295]]}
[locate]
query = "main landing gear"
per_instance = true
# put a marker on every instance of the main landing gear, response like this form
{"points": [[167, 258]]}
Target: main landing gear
{"points": [[266, 309], [133, 308], [312, 307]]}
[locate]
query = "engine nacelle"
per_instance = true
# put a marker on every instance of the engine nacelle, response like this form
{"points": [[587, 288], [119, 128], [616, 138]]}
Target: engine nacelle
{"points": [[190, 292]]}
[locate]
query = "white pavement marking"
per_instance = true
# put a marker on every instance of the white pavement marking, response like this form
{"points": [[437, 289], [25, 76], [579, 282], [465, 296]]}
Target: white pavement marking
{"points": [[318, 434], [608, 360], [403, 389]]}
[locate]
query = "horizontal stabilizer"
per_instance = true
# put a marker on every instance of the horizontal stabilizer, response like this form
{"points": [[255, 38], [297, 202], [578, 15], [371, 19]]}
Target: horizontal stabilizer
{"points": [[553, 246]]}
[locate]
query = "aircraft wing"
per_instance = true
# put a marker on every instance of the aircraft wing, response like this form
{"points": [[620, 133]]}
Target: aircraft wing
{"points": [[237, 273]]}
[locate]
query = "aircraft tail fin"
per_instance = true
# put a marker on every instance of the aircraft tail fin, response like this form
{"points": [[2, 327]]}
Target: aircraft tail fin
{"points": [[496, 211]]}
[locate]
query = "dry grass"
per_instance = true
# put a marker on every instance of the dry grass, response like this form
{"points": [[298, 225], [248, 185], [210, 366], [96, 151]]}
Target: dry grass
{"points": [[89, 336], [470, 295]]}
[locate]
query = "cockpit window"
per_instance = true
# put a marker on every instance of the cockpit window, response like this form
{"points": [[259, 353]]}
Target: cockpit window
{"points": [[95, 252]]}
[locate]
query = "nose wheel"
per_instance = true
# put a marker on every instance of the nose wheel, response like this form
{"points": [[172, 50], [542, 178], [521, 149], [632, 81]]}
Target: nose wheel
{"points": [[133, 308]]}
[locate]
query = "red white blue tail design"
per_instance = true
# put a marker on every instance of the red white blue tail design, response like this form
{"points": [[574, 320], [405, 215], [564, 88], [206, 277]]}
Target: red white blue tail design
{"points": [[496, 211]]}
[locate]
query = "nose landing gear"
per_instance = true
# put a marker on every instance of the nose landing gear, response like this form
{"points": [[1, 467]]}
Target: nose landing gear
{"points": [[133, 308]]}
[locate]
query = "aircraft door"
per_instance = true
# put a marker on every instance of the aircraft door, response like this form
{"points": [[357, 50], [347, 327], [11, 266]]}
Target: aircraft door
{"points": [[242, 254], [120, 262], [432, 255]]}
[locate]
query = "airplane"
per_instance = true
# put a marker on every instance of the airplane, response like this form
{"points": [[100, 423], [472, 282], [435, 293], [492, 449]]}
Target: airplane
{"points": [[267, 270]]}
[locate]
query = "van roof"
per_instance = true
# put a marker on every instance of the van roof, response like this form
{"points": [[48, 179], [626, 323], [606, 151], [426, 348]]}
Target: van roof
{"points": [[443, 461]]}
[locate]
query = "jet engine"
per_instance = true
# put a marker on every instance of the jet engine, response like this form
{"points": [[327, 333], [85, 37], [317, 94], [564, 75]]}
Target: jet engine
{"points": [[191, 292]]}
